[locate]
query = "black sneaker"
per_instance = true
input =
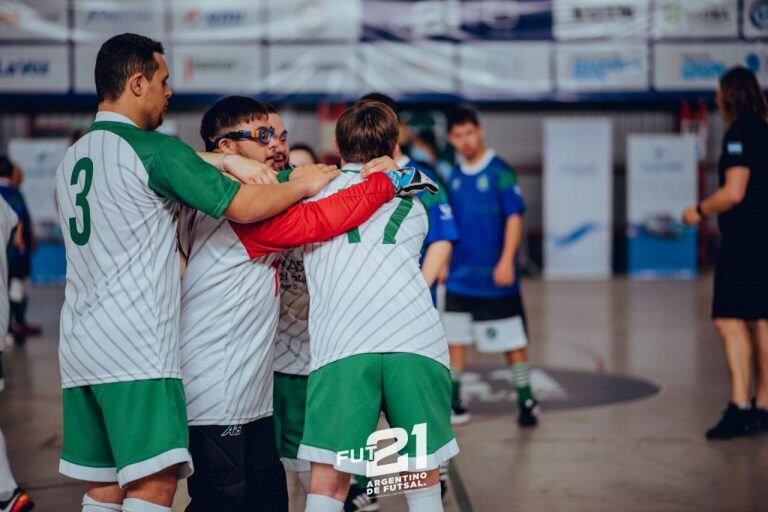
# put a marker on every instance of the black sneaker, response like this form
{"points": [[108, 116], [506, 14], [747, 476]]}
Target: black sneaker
{"points": [[18, 502], [760, 416], [459, 414], [358, 500], [528, 415], [735, 422]]}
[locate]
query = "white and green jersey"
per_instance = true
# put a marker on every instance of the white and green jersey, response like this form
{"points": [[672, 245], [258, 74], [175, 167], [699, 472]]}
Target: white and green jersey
{"points": [[292, 341], [229, 311], [367, 292], [118, 190]]}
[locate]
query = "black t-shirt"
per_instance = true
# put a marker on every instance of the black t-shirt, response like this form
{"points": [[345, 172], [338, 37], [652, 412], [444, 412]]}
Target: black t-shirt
{"points": [[746, 145]]}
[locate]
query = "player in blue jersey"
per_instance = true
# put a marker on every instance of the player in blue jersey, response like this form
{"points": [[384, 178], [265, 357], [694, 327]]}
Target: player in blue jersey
{"points": [[483, 303]]}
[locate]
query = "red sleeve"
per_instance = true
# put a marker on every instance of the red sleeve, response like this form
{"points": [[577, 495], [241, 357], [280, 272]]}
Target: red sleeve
{"points": [[317, 221]]}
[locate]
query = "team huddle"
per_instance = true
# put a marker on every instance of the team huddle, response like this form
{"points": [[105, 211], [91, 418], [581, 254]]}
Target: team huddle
{"points": [[229, 317]]}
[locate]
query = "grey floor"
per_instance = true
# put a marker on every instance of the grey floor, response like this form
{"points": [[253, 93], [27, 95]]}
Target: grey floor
{"points": [[639, 455]]}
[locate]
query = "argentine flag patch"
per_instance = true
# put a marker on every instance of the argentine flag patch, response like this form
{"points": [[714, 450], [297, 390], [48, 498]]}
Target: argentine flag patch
{"points": [[734, 148]]}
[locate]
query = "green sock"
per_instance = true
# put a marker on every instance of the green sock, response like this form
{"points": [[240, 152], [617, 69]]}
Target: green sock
{"points": [[522, 374], [455, 387]]}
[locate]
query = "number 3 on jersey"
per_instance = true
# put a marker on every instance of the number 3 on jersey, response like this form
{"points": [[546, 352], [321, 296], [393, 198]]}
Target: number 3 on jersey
{"points": [[392, 227], [84, 165]]}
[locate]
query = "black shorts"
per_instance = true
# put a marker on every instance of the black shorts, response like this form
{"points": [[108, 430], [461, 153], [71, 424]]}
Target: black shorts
{"points": [[483, 309], [237, 469], [491, 324]]}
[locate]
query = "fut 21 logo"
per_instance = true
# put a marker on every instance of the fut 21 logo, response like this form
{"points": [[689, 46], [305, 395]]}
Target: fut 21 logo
{"points": [[374, 456]]}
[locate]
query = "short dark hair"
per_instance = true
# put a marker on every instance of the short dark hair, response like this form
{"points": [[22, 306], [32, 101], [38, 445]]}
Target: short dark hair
{"points": [[305, 147], [367, 130], [270, 107], [462, 115], [6, 167], [381, 98], [226, 114], [741, 94], [120, 57]]}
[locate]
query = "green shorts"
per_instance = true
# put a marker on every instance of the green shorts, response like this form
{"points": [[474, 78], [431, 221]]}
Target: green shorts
{"points": [[345, 398], [289, 404], [123, 431]]}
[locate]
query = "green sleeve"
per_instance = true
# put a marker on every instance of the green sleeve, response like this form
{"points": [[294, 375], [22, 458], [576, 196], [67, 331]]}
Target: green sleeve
{"points": [[507, 179], [432, 199], [178, 173], [283, 175]]}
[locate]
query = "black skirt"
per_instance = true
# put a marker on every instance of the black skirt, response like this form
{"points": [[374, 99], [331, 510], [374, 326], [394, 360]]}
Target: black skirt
{"points": [[741, 282]]}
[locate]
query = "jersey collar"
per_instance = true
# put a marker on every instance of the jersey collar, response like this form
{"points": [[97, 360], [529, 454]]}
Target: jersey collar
{"points": [[106, 115], [476, 168], [356, 168]]}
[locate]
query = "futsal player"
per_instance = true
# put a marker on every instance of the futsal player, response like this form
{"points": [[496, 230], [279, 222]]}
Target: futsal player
{"points": [[483, 303]]}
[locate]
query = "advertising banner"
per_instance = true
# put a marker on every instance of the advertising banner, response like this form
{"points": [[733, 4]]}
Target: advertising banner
{"points": [[217, 68], [602, 67], [409, 67], [697, 66], [661, 181], [506, 20], [578, 189], [681, 19], [503, 67], [754, 18], [33, 20], [38, 159], [34, 68], [98, 20], [314, 20], [305, 68], [194, 21], [601, 19]]}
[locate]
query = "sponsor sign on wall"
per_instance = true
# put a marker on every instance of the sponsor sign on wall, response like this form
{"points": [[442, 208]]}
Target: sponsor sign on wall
{"points": [[34, 19], [501, 67], [697, 18], [601, 19], [193, 21], [578, 190], [409, 67], [754, 18], [34, 68], [327, 68], [602, 67], [217, 68], [314, 20], [404, 21], [85, 63], [696, 66], [97, 20], [661, 181], [506, 19]]}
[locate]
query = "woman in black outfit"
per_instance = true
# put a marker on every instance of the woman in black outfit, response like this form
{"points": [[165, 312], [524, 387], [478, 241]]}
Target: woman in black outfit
{"points": [[740, 305]]}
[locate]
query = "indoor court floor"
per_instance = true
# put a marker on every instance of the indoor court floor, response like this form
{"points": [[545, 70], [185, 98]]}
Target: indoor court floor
{"points": [[630, 374]]}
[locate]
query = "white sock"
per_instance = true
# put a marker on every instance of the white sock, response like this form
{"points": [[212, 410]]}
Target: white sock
{"points": [[7, 483], [91, 505], [304, 479], [137, 505], [320, 503], [425, 500]]}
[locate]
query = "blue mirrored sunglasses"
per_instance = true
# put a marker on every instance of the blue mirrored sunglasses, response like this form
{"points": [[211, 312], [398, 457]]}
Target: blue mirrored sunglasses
{"points": [[263, 135]]}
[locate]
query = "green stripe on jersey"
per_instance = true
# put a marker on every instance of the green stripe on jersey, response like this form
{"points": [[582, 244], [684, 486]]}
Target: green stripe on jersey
{"points": [[396, 220]]}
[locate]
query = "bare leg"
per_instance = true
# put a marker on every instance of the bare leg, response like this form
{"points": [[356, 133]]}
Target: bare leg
{"points": [[738, 353], [517, 356], [106, 492], [325, 480], [158, 488], [760, 345], [458, 355]]}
